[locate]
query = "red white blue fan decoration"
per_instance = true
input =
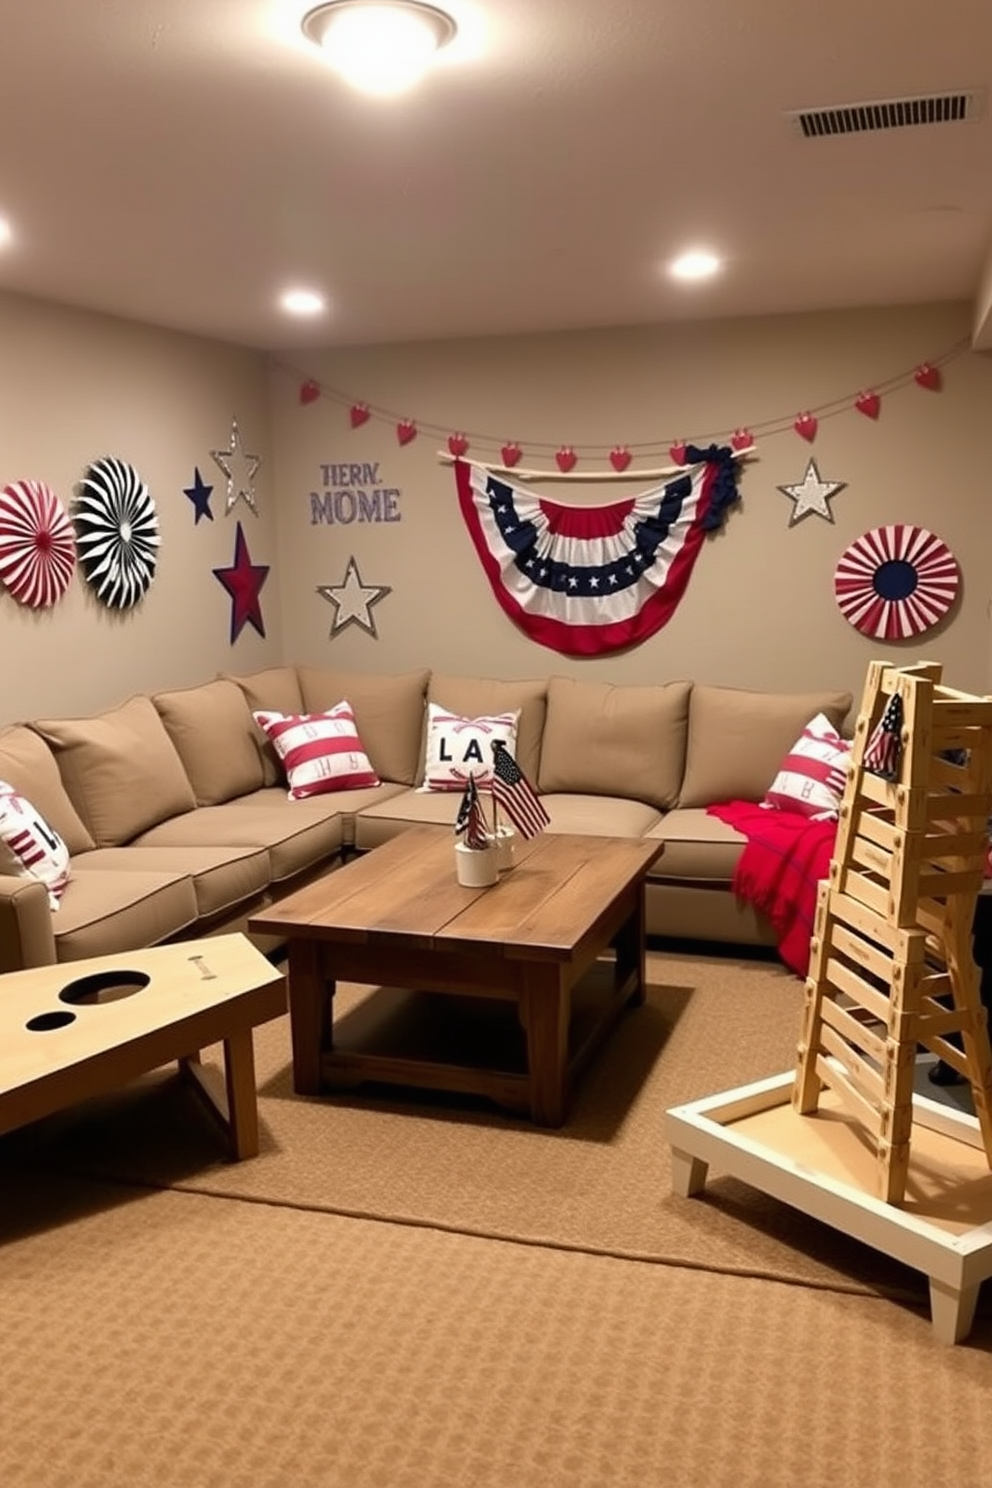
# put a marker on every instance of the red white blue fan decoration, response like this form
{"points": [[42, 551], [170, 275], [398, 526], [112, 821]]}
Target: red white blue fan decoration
{"points": [[37, 545], [588, 580], [896, 582], [116, 532]]}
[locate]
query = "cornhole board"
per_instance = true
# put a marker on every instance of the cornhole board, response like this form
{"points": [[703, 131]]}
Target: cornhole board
{"points": [[822, 1164]]}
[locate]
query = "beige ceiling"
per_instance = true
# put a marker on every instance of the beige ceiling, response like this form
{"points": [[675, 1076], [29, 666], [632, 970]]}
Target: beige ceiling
{"points": [[182, 161]]}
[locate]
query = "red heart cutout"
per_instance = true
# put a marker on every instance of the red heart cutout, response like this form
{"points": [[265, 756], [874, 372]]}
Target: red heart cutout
{"points": [[678, 453], [511, 454], [806, 426], [928, 377], [359, 414], [619, 457], [565, 458], [868, 404], [309, 392], [406, 430], [741, 439], [457, 444]]}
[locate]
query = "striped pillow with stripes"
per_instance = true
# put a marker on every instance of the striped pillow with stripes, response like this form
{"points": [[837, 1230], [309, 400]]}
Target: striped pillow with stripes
{"points": [[29, 847], [319, 751], [811, 778]]}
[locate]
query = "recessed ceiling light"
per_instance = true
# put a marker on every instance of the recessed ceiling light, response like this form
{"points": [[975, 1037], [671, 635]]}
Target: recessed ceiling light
{"points": [[379, 48], [6, 232], [303, 302], [698, 263]]}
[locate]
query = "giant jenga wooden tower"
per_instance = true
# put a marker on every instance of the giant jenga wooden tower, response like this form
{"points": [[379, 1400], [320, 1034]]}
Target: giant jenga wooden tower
{"points": [[891, 963]]}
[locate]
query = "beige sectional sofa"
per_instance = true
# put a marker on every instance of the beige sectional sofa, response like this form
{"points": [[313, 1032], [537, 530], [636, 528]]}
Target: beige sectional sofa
{"points": [[176, 814]]}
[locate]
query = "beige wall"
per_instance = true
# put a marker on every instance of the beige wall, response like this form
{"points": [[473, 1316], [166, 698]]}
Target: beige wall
{"points": [[760, 609], [73, 387]]}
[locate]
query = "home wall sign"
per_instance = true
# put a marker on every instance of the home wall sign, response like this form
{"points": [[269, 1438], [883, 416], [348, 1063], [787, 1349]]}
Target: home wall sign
{"points": [[353, 491]]}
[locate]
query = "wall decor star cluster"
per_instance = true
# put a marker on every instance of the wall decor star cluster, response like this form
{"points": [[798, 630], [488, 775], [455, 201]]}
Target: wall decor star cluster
{"points": [[353, 601], [812, 496], [240, 470], [243, 581]]}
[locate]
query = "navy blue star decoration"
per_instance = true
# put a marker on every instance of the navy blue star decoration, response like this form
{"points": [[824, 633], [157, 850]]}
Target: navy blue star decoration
{"points": [[199, 494], [243, 582]]}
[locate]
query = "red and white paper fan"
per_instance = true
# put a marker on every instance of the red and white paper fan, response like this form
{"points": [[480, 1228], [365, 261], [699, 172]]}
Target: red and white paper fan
{"points": [[37, 544], [896, 582]]}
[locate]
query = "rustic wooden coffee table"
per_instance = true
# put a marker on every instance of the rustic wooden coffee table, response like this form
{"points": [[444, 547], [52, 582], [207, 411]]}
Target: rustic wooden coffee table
{"points": [[82, 1028], [560, 937]]}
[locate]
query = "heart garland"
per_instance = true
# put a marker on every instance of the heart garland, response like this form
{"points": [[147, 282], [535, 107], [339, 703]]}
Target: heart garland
{"points": [[406, 430], [619, 457], [806, 426], [927, 377], [359, 414], [741, 439], [457, 445], [868, 404], [565, 458], [511, 454], [309, 392]]}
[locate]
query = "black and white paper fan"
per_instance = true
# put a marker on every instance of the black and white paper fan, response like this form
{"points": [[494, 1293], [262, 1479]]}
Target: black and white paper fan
{"points": [[117, 532]]}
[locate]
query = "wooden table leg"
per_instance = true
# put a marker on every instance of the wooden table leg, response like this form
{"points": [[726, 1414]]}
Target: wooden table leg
{"points": [[310, 1002], [545, 1010], [630, 952], [952, 1310], [242, 1099]]}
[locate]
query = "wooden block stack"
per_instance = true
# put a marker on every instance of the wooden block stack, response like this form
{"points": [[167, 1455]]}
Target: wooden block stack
{"points": [[891, 964]]}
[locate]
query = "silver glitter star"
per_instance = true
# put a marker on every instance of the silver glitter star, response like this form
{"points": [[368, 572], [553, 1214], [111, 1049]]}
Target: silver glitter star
{"points": [[353, 601], [811, 495], [240, 469]]}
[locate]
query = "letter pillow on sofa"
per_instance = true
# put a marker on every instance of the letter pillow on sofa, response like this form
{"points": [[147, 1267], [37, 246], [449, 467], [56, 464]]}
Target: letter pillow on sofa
{"points": [[29, 847], [460, 747], [812, 775], [319, 751]]}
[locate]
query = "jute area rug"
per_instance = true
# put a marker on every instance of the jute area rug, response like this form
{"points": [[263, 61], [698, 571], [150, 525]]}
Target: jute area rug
{"points": [[601, 1184]]}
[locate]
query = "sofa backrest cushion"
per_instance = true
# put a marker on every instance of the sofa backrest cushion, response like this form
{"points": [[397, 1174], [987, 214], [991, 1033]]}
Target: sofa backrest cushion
{"points": [[29, 765], [485, 697], [215, 737], [602, 740], [389, 714], [120, 769], [274, 690], [738, 739]]}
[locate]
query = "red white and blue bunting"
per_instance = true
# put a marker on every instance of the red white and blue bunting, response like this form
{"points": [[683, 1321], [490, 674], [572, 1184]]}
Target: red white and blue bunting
{"points": [[586, 580]]}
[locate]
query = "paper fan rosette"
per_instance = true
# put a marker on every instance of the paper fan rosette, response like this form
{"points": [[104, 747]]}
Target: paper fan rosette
{"points": [[896, 582], [116, 532], [37, 544]]}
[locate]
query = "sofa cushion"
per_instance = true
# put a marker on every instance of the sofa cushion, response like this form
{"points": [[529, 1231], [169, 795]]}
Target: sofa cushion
{"points": [[812, 776], [277, 690], [475, 697], [298, 835], [598, 816], [698, 848], [615, 741], [320, 752], [458, 748], [121, 910], [29, 765], [213, 731], [389, 713], [120, 769], [222, 877], [29, 846], [738, 739]]}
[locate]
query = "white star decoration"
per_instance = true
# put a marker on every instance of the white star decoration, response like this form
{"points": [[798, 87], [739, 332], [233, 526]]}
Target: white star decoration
{"points": [[811, 495], [353, 601], [240, 469]]}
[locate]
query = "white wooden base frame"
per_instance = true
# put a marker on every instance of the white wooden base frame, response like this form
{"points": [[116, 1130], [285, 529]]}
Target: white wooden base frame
{"points": [[822, 1164]]}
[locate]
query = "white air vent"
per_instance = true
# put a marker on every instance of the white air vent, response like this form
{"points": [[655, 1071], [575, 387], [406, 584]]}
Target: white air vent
{"points": [[889, 113]]}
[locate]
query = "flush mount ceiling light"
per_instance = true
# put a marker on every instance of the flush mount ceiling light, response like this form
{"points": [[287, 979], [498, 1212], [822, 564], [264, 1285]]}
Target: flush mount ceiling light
{"points": [[303, 302], [699, 263], [379, 46]]}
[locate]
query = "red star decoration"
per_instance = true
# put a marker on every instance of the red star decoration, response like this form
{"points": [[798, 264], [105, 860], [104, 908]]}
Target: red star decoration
{"points": [[243, 582]]}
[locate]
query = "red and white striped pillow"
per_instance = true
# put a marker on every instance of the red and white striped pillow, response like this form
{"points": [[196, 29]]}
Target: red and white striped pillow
{"points": [[29, 847], [812, 775], [319, 751]]}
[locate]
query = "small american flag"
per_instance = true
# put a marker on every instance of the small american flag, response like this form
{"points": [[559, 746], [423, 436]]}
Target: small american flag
{"points": [[513, 791], [470, 819], [883, 752]]}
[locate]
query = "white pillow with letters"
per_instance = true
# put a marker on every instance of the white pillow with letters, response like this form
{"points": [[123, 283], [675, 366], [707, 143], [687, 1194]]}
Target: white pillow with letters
{"points": [[461, 747], [29, 847]]}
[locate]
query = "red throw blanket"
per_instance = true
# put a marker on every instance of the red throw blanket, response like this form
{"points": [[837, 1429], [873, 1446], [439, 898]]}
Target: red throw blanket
{"points": [[779, 870]]}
